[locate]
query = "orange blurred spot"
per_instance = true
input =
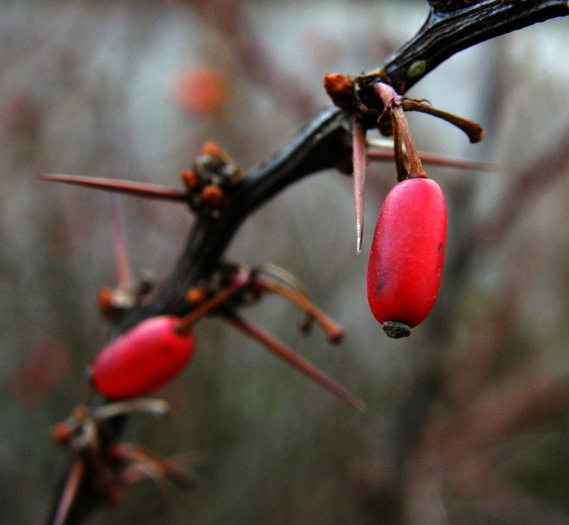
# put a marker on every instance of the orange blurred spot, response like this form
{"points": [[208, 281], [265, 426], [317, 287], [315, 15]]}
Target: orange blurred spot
{"points": [[62, 433], [202, 90], [190, 179], [213, 149], [196, 295], [212, 196]]}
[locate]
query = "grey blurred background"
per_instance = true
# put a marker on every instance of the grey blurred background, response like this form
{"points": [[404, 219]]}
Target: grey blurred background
{"points": [[468, 418]]}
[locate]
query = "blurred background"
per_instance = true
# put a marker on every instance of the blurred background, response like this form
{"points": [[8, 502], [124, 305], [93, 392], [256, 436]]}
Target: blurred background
{"points": [[468, 419]]}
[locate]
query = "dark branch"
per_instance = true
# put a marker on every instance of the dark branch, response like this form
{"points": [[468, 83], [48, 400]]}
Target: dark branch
{"points": [[445, 34]]}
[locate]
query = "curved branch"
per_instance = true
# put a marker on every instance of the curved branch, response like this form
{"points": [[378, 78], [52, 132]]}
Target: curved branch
{"points": [[445, 34], [326, 141]]}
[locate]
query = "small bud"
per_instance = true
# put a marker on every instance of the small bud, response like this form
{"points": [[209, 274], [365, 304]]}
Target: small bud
{"points": [[212, 196], [212, 148], [196, 295], [62, 433], [105, 300], [113, 304], [190, 179], [340, 89]]}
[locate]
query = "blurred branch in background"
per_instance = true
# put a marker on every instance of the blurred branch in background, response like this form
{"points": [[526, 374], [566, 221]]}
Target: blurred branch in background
{"points": [[467, 420]]}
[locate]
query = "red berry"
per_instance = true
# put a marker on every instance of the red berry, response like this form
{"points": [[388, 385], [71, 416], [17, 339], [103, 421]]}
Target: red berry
{"points": [[143, 359], [407, 255]]}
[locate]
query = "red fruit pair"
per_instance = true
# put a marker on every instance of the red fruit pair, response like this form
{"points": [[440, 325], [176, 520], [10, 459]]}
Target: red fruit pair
{"points": [[143, 359], [407, 255]]}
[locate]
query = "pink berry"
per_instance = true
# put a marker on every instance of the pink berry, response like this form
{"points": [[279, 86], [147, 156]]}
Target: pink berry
{"points": [[407, 255]]}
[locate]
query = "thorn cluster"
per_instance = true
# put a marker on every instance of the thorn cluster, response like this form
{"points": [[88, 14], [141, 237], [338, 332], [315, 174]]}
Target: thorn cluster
{"points": [[210, 179], [233, 287], [374, 103], [112, 465]]}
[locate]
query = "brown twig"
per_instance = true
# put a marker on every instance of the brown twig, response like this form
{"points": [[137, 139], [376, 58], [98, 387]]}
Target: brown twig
{"points": [[474, 131], [333, 331]]}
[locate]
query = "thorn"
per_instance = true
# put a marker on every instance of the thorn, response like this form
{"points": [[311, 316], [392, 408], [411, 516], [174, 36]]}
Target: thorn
{"points": [[359, 237], [69, 492], [295, 292], [144, 466], [376, 152], [122, 263], [359, 165], [138, 189], [293, 359]]}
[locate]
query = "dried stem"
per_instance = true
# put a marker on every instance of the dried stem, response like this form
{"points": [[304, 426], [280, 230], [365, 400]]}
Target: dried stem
{"points": [[474, 131], [394, 104], [333, 331], [398, 153]]}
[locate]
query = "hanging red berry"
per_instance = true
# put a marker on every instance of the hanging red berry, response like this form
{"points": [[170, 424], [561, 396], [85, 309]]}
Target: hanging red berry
{"points": [[407, 255], [143, 359]]}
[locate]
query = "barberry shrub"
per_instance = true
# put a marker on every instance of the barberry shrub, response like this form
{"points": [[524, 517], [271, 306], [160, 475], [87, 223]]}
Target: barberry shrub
{"points": [[466, 418]]}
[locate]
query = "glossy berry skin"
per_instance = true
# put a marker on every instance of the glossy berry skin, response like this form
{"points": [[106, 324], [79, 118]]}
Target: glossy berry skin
{"points": [[143, 359], [407, 255]]}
